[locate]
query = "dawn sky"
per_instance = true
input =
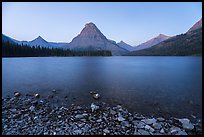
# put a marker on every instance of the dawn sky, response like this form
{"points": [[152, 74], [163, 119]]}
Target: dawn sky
{"points": [[132, 22]]}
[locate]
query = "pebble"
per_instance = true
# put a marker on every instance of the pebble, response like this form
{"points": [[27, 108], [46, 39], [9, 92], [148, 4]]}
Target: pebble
{"points": [[149, 121], [79, 116], [186, 124], [125, 124], [94, 107], [106, 131], [78, 131], [143, 132], [92, 92], [181, 133], [174, 130], [160, 119], [99, 120], [121, 119], [96, 96], [162, 131], [112, 112], [141, 125], [157, 126], [32, 108], [13, 110], [149, 128], [17, 94], [36, 95]]}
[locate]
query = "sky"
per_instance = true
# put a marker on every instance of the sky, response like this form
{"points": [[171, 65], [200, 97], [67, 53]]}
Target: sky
{"points": [[132, 22]]}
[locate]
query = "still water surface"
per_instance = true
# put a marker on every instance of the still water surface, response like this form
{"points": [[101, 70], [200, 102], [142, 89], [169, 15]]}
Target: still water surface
{"points": [[167, 86]]}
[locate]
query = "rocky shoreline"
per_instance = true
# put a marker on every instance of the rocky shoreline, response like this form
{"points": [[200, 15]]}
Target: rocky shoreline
{"points": [[34, 115]]}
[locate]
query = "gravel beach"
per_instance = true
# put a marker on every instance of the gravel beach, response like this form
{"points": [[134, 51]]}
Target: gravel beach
{"points": [[35, 115]]}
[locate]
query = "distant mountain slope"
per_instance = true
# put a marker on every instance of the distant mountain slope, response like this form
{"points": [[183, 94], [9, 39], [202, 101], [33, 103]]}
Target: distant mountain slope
{"points": [[39, 41], [91, 38], [184, 44], [6, 38], [126, 46], [197, 25], [151, 42]]}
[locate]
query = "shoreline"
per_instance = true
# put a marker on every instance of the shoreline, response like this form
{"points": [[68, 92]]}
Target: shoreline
{"points": [[35, 115]]}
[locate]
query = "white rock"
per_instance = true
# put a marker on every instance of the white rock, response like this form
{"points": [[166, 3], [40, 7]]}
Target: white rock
{"points": [[143, 132], [157, 126], [161, 119], [174, 130], [140, 125], [17, 94], [149, 121], [106, 131], [92, 92], [162, 131], [79, 116], [32, 108], [184, 120], [120, 117], [13, 110], [181, 133], [149, 128], [36, 95], [186, 124], [78, 131], [96, 96], [94, 107]]}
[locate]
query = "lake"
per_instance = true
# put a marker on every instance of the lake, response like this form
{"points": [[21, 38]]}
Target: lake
{"points": [[165, 86]]}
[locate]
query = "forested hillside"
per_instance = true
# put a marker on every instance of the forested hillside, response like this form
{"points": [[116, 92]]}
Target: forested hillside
{"points": [[10, 49]]}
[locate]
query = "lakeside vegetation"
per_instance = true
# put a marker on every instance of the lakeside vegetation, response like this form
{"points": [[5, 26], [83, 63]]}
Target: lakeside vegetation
{"points": [[15, 50]]}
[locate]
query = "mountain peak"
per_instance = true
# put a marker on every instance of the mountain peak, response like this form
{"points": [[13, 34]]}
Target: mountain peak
{"points": [[91, 38], [90, 24], [39, 37], [162, 36], [90, 30], [152, 42], [126, 46], [122, 42]]}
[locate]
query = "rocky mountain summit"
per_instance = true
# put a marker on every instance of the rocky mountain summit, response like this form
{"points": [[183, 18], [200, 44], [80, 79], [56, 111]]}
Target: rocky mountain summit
{"points": [[91, 38]]}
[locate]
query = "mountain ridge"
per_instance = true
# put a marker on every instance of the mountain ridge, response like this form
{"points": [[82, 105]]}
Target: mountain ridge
{"points": [[126, 46], [91, 38], [179, 45], [197, 25], [153, 41]]}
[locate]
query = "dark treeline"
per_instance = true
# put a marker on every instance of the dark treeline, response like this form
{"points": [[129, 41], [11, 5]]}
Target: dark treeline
{"points": [[15, 50]]}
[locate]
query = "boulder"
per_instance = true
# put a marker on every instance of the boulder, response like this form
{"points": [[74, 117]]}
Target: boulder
{"points": [[186, 124]]}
